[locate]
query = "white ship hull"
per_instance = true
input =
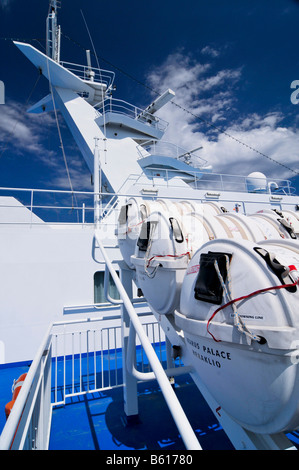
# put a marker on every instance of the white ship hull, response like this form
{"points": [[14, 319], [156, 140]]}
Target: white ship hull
{"points": [[245, 353]]}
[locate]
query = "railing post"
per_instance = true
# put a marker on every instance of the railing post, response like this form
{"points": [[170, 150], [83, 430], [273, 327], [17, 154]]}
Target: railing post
{"points": [[96, 184], [184, 427], [130, 382], [47, 397], [31, 207], [83, 213]]}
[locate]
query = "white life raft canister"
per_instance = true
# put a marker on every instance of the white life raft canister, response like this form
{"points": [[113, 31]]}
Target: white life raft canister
{"points": [[247, 352], [131, 216], [274, 224], [167, 243]]}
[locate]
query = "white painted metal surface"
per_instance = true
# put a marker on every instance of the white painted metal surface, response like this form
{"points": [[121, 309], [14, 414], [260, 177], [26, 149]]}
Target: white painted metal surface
{"points": [[57, 263], [176, 410], [28, 425]]}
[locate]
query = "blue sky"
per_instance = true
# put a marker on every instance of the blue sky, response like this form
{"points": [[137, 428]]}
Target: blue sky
{"points": [[230, 62]]}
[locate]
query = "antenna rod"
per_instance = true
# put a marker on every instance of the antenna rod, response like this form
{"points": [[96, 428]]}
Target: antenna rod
{"points": [[90, 38], [188, 153], [90, 72]]}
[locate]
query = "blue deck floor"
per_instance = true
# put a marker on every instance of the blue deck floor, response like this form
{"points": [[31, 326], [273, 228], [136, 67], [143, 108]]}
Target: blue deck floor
{"points": [[95, 421]]}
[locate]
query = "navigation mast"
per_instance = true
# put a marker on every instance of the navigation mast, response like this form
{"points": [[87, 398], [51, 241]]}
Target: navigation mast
{"points": [[53, 31]]}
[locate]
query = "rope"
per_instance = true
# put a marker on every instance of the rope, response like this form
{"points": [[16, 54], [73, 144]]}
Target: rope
{"points": [[221, 131], [208, 123], [150, 240], [167, 256], [257, 292], [61, 142], [131, 227], [238, 322], [98, 64]]}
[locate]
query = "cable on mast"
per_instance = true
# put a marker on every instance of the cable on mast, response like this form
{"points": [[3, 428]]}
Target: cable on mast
{"points": [[205, 121], [53, 31]]}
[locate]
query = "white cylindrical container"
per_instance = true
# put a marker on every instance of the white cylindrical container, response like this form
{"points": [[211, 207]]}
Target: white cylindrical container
{"points": [[160, 259], [293, 219], [245, 353], [132, 214], [163, 257], [272, 224], [242, 227], [167, 242]]}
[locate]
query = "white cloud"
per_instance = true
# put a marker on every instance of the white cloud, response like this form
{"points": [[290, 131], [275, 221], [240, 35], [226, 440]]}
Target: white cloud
{"points": [[5, 4], [221, 78], [179, 72], [23, 131], [279, 143], [79, 174], [36, 136], [211, 51], [211, 97]]}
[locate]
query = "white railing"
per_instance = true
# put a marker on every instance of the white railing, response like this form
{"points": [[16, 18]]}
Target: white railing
{"points": [[86, 356], [176, 410], [40, 206], [220, 182], [76, 358], [80, 358], [113, 105], [28, 425], [53, 206], [84, 344], [168, 149], [88, 73]]}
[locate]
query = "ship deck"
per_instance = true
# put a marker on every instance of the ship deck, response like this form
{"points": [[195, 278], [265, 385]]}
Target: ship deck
{"points": [[95, 421]]}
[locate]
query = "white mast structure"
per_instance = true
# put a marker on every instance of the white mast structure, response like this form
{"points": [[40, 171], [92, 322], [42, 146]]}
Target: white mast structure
{"points": [[83, 96], [53, 32]]}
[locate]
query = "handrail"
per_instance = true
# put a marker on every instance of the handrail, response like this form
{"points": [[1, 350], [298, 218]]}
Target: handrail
{"points": [[223, 182], [18, 420], [174, 405], [118, 106], [84, 72], [218, 177], [168, 149], [145, 376], [202, 181]]}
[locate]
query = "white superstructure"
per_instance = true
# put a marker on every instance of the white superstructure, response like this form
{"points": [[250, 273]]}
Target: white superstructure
{"points": [[164, 220]]}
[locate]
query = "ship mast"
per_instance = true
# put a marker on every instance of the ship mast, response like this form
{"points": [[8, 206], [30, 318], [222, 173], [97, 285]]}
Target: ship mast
{"points": [[53, 31]]}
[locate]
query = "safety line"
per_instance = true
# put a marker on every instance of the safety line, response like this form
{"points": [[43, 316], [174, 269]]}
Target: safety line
{"points": [[260, 291]]}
